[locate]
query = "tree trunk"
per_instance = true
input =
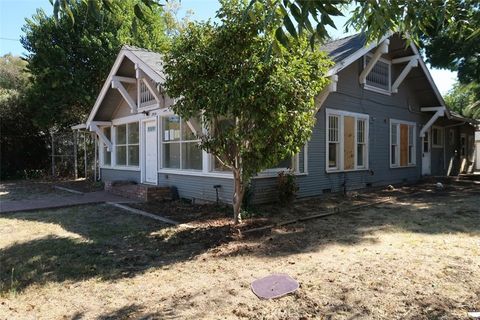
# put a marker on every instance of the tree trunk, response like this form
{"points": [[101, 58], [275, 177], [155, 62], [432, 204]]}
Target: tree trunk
{"points": [[237, 195]]}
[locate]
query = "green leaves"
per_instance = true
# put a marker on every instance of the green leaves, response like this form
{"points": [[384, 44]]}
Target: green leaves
{"points": [[221, 71]]}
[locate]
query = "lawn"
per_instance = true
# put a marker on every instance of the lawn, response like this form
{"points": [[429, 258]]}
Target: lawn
{"points": [[413, 257]]}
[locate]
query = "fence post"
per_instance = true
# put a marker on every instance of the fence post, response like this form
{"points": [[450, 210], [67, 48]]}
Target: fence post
{"points": [[53, 154], [85, 152], [75, 163]]}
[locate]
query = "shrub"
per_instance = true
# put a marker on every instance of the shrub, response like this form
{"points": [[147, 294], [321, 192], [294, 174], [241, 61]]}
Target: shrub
{"points": [[287, 187]]}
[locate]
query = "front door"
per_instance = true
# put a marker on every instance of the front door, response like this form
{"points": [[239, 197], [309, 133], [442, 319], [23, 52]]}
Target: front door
{"points": [[151, 161], [426, 155]]}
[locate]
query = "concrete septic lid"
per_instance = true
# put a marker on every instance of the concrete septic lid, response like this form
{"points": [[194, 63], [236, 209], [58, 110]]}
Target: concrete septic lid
{"points": [[274, 286]]}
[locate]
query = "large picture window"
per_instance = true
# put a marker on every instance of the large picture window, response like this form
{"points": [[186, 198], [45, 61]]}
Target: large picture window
{"points": [[379, 78], [346, 141], [127, 145], [402, 143], [180, 143]]}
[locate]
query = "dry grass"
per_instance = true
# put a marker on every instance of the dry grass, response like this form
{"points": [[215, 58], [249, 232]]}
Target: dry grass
{"points": [[414, 258]]}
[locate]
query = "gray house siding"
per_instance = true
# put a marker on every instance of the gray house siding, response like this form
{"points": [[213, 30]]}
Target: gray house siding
{"points": [[198, 187], [117, 175]]}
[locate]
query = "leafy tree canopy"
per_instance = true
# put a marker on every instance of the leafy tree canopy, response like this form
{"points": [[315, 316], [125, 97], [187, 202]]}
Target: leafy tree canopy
{"points": [[463, 99], [70, 61], [257, 111]]}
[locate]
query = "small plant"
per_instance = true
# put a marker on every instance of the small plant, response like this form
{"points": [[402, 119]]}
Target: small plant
{"points": [[287, 187]]}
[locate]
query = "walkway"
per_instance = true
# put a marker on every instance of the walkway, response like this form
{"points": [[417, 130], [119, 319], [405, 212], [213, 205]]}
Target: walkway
{"points": [[54, 202]]}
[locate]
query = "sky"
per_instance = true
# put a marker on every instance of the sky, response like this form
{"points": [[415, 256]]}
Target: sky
{"points": [[14, 12]]}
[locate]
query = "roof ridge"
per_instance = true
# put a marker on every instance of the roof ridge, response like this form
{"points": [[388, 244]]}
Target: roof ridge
{"points": [[135, 48]]}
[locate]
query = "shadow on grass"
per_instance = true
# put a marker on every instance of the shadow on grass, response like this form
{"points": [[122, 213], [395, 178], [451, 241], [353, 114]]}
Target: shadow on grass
{"points": [[110, 244], [113, 244]]}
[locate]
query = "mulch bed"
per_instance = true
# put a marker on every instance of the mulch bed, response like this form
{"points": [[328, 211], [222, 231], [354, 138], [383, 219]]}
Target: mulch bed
{"points": [[214, 216], [81, 185]]}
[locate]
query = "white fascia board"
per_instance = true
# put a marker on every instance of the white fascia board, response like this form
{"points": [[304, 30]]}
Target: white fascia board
{"points": [[357, 55], [145, 68], [429, 77], [106, 86]]}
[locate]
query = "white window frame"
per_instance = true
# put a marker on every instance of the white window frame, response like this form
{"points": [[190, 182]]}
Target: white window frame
{"points": [[114, 148], [440, 135], [180, 142], [377, 89], [102, 148], [341, 114], [397, 160]]}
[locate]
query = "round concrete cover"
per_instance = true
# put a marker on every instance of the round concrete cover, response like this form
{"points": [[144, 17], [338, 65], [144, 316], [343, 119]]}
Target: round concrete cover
{"points": [[274, 286]]}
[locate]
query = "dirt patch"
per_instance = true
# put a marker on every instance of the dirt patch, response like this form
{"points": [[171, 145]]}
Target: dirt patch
{"points": [[81, 185], [414, 257]]}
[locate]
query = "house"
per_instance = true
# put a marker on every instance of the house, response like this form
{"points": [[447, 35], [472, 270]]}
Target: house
{"points": [[381, 121]]}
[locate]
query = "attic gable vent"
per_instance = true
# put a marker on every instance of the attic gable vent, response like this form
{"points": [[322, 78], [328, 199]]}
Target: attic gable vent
{"points": [[379, 79]]}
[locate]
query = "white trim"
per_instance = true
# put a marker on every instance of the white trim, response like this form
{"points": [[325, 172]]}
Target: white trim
{"points": [[131, 103], [143, 150], [322, 97], [340, 165], [124, 168], [128, 119], [440, 113], [372, 87], [382, 49], [357, 55], [405, 59], [414, 156], [125, 52], [124, 79], [411, 64], [102, 136]]}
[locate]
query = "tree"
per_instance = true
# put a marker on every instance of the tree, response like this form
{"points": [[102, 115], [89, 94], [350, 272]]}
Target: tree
{"points": [[256, 110], [70, 61], [462, 99], [22, 144], [375, 18], [453, 45]]}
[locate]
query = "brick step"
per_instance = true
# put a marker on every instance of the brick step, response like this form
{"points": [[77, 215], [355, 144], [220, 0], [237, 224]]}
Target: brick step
{"points": [[136, 191]]}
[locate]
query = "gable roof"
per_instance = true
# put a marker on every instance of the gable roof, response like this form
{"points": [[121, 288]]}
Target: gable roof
{"points": [[340, 49], [153, 60], [148, 61], [347, 50]]}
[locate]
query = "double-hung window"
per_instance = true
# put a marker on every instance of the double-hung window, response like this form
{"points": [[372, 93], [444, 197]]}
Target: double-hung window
{"points": [[346, 141], [402, 143], [379, 78], [180, 141], [127, 145]]}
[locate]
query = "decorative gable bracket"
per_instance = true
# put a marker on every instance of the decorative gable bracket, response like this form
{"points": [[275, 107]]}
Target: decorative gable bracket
{"points": [[412, 63], [94, 127], [439, 112], [142, 77], [117, 84], [382, 49]]}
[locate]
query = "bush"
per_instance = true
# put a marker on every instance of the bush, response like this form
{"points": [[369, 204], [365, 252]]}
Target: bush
{"points": [[287, 187]]}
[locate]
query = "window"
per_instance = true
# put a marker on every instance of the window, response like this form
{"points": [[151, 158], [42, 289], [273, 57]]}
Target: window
{"points": [[451, 137], [379, 78], [361, 143], [126, 145], [107, 156], [402, 144], [437, 137], [346, 141], [333, 142], [180, 143]]}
